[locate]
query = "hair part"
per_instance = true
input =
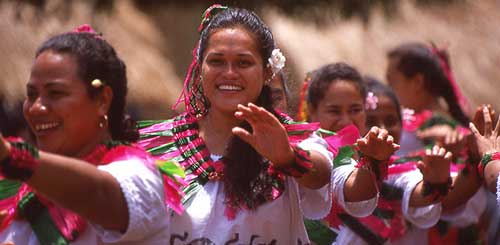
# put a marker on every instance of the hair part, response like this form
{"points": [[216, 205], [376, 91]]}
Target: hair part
{"points": [[416, 58], [97, 59]]}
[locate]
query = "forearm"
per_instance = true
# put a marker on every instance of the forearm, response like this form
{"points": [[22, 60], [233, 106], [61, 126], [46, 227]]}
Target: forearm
{"points": [[360, 186], [417, 198], [464, 187], [491, 175], [319, 175], [81, 188]]}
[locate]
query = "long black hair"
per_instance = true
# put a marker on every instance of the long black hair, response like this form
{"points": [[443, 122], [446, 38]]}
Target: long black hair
{"points": [[243, 164], [97, 59], [417, 58]]}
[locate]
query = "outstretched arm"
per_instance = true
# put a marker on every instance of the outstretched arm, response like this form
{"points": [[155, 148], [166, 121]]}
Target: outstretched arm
{"points": [[435, 168], [488, 144], [377, 146], [76, 185], [269, 138]]}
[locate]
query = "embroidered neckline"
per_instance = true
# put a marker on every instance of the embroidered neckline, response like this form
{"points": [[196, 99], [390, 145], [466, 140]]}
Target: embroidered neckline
{"points": [[200, 168]]}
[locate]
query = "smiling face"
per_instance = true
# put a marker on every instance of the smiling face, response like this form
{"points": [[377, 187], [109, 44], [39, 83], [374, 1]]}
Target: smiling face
{"points": [[342, 105], [64, 119], [232, 69]]}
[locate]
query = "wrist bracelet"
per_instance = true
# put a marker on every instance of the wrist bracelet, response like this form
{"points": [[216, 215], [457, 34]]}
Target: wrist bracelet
{"points": [[301, 165], [487, 158], [437, 190], [21, 161], [378, 167]]}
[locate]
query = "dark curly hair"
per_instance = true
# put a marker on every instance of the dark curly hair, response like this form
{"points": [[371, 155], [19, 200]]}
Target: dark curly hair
{"points": [[98, 59], [326, 75]]}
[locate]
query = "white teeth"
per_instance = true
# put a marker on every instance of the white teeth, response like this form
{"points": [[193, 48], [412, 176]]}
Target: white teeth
{"points": [[45, 126], [230, 87]]}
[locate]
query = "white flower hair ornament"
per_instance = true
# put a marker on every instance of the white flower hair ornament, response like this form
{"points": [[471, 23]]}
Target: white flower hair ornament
{"points": [[96, 83], [371, 101], [276, 61]]}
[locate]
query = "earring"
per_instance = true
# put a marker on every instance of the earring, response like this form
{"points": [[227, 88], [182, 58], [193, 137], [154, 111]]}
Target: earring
{"points": [[104, 122]]}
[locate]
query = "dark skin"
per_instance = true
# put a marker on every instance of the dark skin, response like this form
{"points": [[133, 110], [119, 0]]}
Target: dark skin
{"points": [[464, 185], [488, 142], [53, 92]]}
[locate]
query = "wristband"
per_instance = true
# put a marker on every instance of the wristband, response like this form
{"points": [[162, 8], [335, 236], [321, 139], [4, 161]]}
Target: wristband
{"points": [[301, 165], [487, 158], [21, 161]]}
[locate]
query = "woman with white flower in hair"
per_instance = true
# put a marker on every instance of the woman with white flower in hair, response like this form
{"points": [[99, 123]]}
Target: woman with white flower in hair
{"points": [[252, 173]]}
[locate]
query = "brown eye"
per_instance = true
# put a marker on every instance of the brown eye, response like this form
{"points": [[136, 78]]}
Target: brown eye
{"points": [[31, 95]]}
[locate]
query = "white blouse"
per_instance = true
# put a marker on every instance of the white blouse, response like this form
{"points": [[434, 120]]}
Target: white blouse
{"points": [[420, 217], [279, 221], [148, 221]]}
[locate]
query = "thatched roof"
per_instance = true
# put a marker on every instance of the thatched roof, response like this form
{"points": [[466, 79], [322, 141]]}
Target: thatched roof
{"points": [[156, 42]]}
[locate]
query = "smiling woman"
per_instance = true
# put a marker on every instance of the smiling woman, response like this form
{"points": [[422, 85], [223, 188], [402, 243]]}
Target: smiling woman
{"points": [[87, 184], [249, 182]]}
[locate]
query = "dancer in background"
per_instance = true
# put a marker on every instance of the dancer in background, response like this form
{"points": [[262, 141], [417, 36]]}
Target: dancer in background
{"points": [[421, 75]]}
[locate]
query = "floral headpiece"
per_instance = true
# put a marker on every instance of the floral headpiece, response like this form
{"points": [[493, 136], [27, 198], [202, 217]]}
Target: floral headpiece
{"points": [[86, 28], [371, 101], [276, 61]]}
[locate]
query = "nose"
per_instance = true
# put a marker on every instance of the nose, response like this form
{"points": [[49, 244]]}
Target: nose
{"points": [[231, 70], [344, 120], [38, 107]]}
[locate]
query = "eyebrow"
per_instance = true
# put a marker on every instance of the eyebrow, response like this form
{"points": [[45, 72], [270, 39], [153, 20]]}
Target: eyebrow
{"points": [[50, 84], [222, 54]]}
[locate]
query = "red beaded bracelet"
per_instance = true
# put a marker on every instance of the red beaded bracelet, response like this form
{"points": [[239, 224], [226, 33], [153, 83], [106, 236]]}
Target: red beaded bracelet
{"points": [[21, 161], [487, 158], [301, 165]]}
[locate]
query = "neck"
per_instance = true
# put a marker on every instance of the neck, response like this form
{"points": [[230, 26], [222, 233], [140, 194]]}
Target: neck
{"points": [[216, 130], [88, 148]]}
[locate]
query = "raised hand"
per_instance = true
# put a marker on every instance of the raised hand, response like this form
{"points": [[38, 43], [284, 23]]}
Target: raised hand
{"points": [[268, 137], [377, 144], [487, 141], [435, 166], [478, 119]]}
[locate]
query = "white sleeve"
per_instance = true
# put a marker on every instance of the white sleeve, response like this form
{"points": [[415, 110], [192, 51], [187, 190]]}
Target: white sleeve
{"points": [[422, 217], [316, 203], [142, 188], [356, 209], [470, 212]]}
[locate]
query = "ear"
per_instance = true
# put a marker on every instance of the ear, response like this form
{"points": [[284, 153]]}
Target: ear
{"points": [[268, 75], [104, 100]]}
